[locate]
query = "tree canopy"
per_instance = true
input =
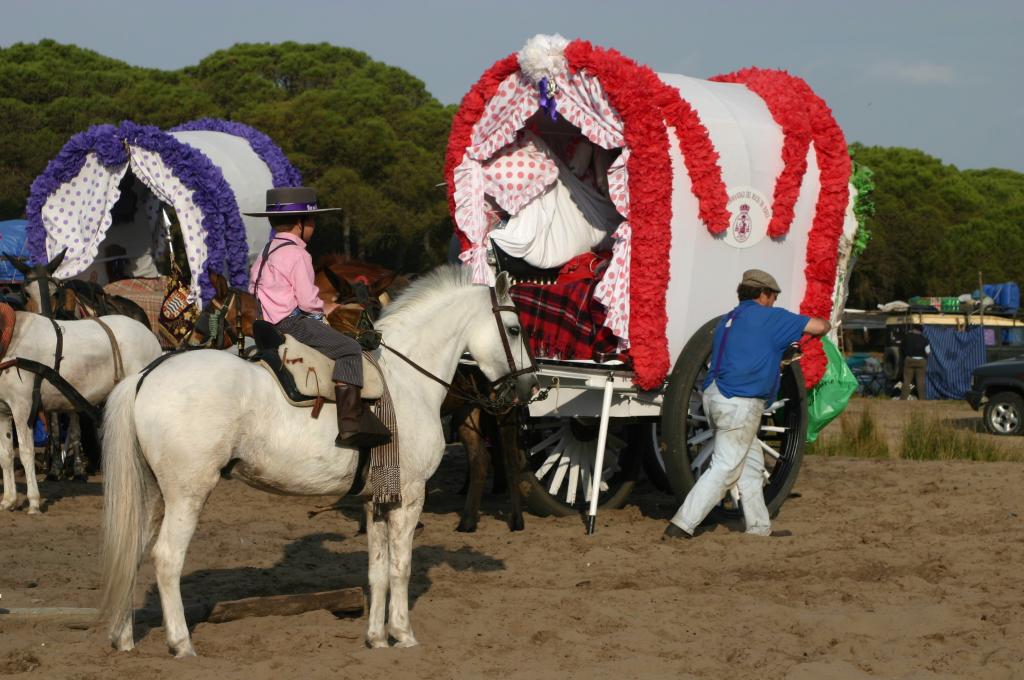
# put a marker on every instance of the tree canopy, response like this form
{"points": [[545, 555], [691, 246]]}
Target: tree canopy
{"points": [[367, 135], [936, 227], [371, 139]]}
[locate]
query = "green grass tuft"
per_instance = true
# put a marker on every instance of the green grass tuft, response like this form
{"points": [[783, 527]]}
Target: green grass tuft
{"points": [[930, 439], [858, 438]]}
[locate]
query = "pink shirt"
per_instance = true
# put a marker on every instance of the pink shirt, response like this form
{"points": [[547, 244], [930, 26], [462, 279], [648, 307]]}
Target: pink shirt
{"points": [[287, 280]]}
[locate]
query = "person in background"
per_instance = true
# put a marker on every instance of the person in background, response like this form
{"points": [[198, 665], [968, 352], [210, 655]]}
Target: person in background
{"points": [[915, 361], [282, 281], [743, 378]]}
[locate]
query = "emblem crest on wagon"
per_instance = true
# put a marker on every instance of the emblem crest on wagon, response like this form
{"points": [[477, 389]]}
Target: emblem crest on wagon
{"points": [[741, 224]]}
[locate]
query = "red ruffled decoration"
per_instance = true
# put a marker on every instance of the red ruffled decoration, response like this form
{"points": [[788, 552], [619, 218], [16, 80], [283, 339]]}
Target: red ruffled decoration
{"points": [[830, 213], [699, 155], [629, 87], [803, 116], [787, 95], [788, 106], [470, 111]]}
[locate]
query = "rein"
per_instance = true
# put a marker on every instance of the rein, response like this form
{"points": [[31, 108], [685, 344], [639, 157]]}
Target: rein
{"points": [[495, 406]]}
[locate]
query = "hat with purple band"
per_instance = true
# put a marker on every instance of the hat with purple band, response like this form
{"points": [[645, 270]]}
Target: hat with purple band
{"points": [[286, 201]]}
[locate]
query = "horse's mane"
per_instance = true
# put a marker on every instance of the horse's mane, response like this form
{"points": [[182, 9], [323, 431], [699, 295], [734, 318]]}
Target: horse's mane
{"points": [[445, 277]]}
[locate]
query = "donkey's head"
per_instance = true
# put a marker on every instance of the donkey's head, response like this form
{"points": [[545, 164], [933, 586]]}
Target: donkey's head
{"points": [[498, 345], [39, 278]]}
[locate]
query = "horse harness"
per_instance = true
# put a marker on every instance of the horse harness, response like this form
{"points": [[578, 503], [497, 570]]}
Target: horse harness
{"points": [[494, 406]]}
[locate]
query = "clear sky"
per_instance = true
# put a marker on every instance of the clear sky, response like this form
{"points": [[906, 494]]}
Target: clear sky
{"points": [[942, 76]]}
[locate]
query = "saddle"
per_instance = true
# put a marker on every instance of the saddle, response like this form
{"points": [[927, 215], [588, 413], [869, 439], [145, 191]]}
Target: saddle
{"points": [[304, 373], [7, 319]]}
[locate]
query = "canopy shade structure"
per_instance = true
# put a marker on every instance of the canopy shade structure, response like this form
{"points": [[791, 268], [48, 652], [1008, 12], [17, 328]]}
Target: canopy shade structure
{"points": [[708, 177], [206, 171], [13, 242]]}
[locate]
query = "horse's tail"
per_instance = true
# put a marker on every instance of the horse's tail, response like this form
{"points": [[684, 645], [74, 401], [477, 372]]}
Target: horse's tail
{"points": [[130, 494]]}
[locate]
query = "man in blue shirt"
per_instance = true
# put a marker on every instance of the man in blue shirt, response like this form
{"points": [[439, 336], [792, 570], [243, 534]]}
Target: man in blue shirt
{"points": [[744, 378]]}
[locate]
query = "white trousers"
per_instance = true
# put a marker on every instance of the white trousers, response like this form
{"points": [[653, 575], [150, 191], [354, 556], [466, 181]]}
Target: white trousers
{"points": [[737, 460]]}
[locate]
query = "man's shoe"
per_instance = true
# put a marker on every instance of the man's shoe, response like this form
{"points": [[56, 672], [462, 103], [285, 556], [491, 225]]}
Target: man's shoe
{"points": [[674, 532]]}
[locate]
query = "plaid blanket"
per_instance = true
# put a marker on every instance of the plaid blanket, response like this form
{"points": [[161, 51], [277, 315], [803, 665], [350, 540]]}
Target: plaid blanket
{"points": [[563, 321], [146, 293]]}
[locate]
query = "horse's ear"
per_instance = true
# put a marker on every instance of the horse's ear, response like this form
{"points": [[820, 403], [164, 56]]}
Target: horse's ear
{"points": [[382, 284], [220, 284], [56, 262], [502, 285], [18, 264]]}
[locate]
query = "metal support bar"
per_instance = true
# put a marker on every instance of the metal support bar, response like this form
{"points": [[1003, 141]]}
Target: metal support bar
{"points": [[602, 441]]}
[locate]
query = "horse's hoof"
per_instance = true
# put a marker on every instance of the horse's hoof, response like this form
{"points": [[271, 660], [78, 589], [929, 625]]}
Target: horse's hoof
{"points": [[466, 526], [81, 478], [409, 641], [516, 523], [185, 651], [34, 511], [7, 506], [377, 641]]}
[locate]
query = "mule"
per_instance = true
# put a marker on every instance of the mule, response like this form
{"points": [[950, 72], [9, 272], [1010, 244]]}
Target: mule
{"points": [[240, 423], [88, 364]]}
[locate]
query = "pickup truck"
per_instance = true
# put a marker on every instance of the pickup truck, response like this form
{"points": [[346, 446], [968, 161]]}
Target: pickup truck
{"points": [[999, 387]]}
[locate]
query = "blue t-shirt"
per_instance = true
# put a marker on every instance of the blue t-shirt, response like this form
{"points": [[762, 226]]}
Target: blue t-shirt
{"points": [[749, 364]]}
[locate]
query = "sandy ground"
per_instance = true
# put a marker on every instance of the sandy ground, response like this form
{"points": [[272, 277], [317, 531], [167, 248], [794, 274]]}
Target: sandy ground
{"points": [[896, 569]]}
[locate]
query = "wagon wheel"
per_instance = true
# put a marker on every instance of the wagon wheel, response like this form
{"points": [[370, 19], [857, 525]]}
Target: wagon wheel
{"points": [[687, 440], [654, 458], [559, 456]]}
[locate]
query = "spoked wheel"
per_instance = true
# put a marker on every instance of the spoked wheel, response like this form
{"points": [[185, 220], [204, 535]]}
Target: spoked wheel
{"points": [[688, 440], [560, 454], [654, 458]]}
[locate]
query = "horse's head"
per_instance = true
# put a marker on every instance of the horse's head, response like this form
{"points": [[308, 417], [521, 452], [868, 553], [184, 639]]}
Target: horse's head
{"points": [[498, 345], [38, 278]]}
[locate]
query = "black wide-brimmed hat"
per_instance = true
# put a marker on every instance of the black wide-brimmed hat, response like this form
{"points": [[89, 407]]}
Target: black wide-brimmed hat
{"points": [[286, 201]]}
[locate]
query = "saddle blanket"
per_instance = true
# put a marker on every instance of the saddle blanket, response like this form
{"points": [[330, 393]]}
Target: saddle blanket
{"points": [[146, 293]]}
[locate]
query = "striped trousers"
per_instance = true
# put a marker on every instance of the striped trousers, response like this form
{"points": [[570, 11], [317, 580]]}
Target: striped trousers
{"points": [[346, 352]]}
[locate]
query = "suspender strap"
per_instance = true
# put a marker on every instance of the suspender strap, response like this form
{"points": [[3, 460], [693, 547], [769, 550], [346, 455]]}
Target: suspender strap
{"points": [[733, 315], [267, 252]]}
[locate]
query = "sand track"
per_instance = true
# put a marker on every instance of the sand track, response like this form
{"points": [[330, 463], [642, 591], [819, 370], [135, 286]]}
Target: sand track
{"points": [[896, 569]]}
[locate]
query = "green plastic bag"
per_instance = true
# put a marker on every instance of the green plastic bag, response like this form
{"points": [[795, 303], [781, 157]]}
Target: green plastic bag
{"points": [[829, 397]]}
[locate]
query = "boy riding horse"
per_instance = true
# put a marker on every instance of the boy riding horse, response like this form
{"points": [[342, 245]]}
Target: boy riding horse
{"points": [[282, 281]]}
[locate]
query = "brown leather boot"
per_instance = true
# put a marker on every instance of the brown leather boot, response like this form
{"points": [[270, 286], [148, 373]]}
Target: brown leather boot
{"points": [[358, 427]]}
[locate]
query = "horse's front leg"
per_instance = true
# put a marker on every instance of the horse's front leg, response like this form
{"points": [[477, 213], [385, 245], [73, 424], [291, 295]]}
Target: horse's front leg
{"points": [[53, 448], [401, 528], [7, 463], [508, 441], [27, 453], [73, 445], [377, 537], [476, 453]]}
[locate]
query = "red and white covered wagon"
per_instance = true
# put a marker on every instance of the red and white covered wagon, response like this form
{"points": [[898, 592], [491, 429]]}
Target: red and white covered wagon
{"points": [[640, 198]]}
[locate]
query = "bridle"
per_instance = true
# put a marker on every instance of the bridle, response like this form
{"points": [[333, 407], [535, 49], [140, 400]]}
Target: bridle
{"points": [[514, 373], [502, 403]]}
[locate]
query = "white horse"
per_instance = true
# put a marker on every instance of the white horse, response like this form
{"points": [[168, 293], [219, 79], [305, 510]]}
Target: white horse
{"points": [[206, 409], [88, 364]]}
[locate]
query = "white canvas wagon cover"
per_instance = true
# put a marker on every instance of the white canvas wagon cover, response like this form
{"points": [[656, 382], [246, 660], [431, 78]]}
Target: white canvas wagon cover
{"points": [[745, 170], [205, 170]]}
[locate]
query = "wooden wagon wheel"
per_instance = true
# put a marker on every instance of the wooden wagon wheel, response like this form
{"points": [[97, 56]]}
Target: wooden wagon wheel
{"points": [[686, 440], [559, 455]]}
